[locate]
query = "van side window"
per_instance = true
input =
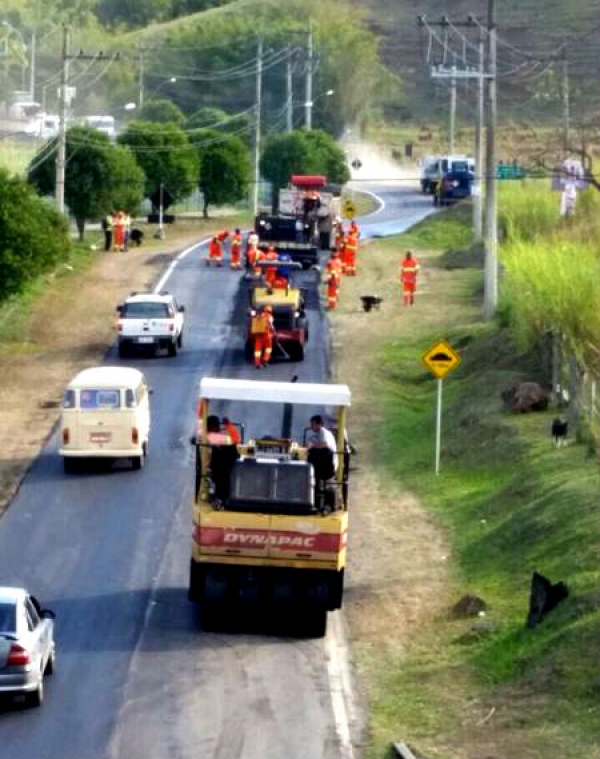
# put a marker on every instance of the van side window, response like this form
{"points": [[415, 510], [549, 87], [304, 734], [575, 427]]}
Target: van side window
{"points": [[130, 398], [69, 399]]}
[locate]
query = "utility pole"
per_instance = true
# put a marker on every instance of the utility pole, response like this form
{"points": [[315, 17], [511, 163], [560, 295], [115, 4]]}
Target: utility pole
{"points": [[479, 171], [452, 125], [566, 102], [141, 77], [32, 68], [490, 295], [257, 116], [309, 78], [62, 124], [289, 92]]}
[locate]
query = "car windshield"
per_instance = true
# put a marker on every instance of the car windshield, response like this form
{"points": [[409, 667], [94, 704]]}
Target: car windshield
{"points": [[141, 309], [8, 618], [95, 399]]}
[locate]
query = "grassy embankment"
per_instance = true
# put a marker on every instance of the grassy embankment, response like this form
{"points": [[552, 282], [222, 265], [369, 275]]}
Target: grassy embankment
{"points": [[510, 503]]}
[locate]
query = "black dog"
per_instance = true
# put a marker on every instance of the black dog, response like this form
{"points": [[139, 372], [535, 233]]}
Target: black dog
{"points": [[136, 236], [544, 597], [370, 301], [560, 430]]}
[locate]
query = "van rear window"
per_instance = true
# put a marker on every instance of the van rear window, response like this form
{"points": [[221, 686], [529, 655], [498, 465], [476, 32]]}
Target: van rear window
{"points": [[140, 310], [94, 399]]}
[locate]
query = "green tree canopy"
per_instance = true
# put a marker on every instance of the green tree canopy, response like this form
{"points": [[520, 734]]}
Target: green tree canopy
{"points": [[34, 237], [225, 167], [161, 111], [165, 155], [302, 152], [99, 175]]}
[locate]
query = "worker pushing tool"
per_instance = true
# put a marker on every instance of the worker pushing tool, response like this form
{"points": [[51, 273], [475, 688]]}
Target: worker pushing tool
{"points": [[263, 331], [409, 269], [215, 252]]}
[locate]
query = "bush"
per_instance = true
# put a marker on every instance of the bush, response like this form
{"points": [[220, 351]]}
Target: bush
{"points": [[34, 237]]}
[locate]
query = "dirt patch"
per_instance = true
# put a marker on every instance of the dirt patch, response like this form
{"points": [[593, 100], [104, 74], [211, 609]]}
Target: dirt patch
{"points": [[71, 327]]}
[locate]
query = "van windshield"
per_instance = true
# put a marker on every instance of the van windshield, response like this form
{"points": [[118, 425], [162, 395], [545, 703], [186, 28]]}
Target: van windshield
{"points": [[141, 310], [95, 399]]}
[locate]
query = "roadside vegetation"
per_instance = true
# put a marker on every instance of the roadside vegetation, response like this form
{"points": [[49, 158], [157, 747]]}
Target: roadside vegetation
{"points": [[506, 503]]}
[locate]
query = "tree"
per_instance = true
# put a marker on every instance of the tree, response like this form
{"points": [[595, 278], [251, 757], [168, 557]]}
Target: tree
{"points": [[99, 175], [284, 155], [165, 155], [329, 156], [225, 168], [34, 237], [162, 111], [302, 152]]}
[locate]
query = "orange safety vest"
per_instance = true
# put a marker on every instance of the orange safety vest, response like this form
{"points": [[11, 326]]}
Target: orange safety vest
{"points": [[408, 271], [236, 243]]}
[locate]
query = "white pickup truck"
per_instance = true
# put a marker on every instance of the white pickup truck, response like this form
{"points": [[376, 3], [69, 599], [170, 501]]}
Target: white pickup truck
{"points": [[150, 320]]}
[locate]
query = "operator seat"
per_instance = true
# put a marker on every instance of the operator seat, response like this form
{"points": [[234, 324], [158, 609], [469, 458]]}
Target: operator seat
{"points": [[222, 460]]}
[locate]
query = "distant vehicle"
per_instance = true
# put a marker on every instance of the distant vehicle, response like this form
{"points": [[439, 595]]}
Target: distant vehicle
{"points": [[455, 185], [435, 167], [27, 648], [44, 125], [105, 414], [105, 124], [150, 320]]}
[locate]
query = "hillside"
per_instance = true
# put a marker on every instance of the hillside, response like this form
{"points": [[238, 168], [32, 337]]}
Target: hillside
{"points": [[528, 90]]}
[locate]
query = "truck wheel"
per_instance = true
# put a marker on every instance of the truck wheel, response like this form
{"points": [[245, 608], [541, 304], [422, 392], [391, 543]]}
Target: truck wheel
{"points": [[172, 349], [316, 623]]}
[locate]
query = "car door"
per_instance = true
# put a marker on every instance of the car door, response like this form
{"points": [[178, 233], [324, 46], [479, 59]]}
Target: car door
{"points": [[37, 633]]}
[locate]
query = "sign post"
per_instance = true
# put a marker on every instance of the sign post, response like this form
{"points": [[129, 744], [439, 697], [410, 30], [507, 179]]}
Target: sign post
{"points": [[440, 359]]}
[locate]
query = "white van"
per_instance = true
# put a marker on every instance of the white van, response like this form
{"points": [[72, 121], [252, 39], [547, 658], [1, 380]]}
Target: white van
{"points": [[437, 166], [105, 414]]}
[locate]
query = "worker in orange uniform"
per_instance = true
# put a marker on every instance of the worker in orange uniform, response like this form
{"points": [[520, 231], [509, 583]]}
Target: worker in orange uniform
{"points": [[270, 271], [408, 276], [351, 252], [333, 288], [119, 231], [236, 250], [263, 331], [354, 228], [215, 252], [335, 266]]}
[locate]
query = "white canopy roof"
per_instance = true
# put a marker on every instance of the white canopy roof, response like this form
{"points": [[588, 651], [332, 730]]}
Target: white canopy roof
{"points": [[312, 394]]}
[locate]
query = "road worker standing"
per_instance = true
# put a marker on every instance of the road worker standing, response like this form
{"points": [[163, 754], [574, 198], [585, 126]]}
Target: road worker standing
{"points": [[333, 279], [215, 252], [236, 250], [118, 231], [351, 252], [408, 276], [262, 331], [252, 252], [107, 228]]}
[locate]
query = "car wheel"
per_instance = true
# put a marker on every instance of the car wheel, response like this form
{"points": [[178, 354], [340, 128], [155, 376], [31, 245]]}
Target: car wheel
{"points": [[69, 464], [122, 350], [173, 348], [51, 663], [36, 697], [137, 463], [180, 340]]}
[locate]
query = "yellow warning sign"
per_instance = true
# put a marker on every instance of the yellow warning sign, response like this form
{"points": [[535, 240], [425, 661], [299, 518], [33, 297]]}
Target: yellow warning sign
{"points": [[349, 209], [441, 359]]}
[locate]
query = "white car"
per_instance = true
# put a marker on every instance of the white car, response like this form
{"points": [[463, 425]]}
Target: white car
{"points": [[27, 650], [150, 320]]}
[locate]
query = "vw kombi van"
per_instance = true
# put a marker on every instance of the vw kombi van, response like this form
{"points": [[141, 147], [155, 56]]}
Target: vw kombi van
{"points": [[105, 414]]}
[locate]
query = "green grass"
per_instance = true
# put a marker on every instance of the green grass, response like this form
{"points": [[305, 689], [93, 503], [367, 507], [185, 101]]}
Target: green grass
{"points": [[449, 230], [512, 504], [15, 155]]}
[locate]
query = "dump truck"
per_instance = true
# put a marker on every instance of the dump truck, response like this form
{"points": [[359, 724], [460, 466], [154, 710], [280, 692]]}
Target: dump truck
{"points": [[270, 515], [305, 206]]}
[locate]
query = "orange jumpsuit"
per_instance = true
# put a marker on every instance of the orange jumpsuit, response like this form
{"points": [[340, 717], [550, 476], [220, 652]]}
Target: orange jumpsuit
{"points": [[215, 252], [350, 252], [236, 249], [263, 340], [119, 231], [408, 277], [271, 271], [333, 287]]}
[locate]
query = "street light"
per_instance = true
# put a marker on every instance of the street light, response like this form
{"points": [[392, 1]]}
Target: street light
{"points": [[310, 103], [171, 80], [130, 106]]}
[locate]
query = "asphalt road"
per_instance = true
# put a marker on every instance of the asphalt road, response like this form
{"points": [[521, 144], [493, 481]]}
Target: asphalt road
{"points": [[108, 550]]}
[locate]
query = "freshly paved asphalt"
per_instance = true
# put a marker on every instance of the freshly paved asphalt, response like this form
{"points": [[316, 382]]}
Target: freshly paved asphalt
{"points": [[108, 550]]}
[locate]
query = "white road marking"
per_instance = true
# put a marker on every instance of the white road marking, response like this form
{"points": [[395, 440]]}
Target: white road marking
{"points": [[378, 200], [340, 685], [172, 266]]}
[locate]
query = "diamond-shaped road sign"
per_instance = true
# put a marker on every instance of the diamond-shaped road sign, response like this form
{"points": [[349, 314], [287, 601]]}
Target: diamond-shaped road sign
{"points": [[356, 164], [349, 209], [441, 359]]}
